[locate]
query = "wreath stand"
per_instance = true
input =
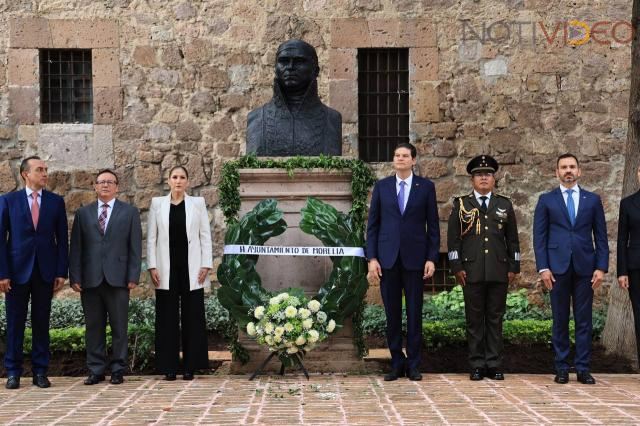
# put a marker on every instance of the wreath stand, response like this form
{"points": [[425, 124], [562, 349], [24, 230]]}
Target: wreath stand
{"points": [[297, 360]]}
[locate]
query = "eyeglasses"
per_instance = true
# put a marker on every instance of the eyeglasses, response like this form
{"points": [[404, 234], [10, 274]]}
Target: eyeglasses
{"points": [[106, 182]]}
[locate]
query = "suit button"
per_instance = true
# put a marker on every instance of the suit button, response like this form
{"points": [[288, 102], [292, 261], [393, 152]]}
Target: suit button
{"points": [[486, 227], [486, 239], [486, 251], [486, 217]]}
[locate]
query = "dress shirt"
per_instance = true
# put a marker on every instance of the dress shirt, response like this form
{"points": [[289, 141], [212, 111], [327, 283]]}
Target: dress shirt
{"points": [[478, 195], [407, 189], [109, 210], [575, 195], [30, 199]]}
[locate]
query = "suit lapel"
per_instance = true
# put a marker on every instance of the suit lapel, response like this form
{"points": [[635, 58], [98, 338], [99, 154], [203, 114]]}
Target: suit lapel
{"points": [[562, 205], [24, 206], [113, 218], [165, 206], [188, 210], [392, 194], [584, 199], [413, 193]]}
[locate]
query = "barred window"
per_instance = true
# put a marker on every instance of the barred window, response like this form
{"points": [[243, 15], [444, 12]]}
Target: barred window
{"points": [[443, 279], [65, 86], [383, 102]]}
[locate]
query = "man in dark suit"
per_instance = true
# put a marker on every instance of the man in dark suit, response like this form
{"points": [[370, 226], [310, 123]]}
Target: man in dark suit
{"points": [[33, 264], [106, 250], [629, 253], [403, 242], [566, 224], [484, 254]]}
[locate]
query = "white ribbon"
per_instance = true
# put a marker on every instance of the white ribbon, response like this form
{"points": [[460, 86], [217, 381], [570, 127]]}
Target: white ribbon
{"points": [[293, 250]]}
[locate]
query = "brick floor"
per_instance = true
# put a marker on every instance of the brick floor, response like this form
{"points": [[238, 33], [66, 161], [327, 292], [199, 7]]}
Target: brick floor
{"points": [[326, 399]]}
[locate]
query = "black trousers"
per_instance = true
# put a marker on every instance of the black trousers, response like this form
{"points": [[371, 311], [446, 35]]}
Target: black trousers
{"points": [[634, 295], [178, 307], [484, 306], [98, 303], [394, 282]]}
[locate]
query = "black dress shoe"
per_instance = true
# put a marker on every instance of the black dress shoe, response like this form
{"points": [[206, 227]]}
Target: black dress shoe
{"points": [[414, 374], [476, 374], [495, 374], [188, 375], [170, 377], [13, 382], [41, 381], [562, 377], [94, 379], [394, 374], [116, 378], [585, 378]]}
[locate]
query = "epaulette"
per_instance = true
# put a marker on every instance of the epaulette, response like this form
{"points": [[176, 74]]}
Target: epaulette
{"points": [[503, 196]]}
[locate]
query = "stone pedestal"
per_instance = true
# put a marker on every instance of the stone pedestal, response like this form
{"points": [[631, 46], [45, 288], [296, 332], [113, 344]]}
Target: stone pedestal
{"points": [[337, 353]]}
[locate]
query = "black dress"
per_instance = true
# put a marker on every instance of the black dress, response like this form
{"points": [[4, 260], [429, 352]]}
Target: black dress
{"points": [[180, 299]]}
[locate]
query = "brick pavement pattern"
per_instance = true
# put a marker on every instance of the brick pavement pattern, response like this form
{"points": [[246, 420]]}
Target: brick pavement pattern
{"points": [[326, 399]]}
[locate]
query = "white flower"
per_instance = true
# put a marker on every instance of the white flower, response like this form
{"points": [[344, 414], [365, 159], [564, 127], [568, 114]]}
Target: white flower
{"points": [[331, 326], [274, 300], [288, 327], [301, 341], [309, 347], [287, 343], [251, 329], [268, 340], [283, 297], [290, 312], [259, 330], [259, 312], [313, 336], [279, 331], [277, 338], [293, 301], [307, 324], [314, 305], [304, 313], [292, 350], [268, 328], [322, 317]]}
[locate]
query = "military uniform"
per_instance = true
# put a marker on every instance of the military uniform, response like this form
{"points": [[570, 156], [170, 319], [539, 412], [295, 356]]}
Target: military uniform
{"points": [[483, 242]]}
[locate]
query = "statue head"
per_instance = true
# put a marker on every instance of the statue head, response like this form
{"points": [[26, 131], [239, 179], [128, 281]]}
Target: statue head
{"points": [[296, 66]]}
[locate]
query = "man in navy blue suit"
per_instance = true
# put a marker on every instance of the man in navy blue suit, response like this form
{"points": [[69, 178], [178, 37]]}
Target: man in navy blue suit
{"points": [[33, 264], [403, 242], [567, 223]]}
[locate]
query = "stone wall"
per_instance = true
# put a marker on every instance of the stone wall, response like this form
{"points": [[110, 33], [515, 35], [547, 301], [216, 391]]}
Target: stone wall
{"points": [[174, 81]]}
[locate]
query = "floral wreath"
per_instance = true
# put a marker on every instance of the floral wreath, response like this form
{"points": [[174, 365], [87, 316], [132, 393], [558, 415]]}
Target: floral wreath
{"points": [[288, 323]]}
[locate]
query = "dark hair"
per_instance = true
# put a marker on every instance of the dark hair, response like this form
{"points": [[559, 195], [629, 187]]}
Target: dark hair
{"points": [[567, 155], [408, 146], [107, 171], [179, 167], [24, 165]]}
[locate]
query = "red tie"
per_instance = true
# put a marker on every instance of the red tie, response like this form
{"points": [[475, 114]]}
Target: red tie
{"points": [[35, 210]]}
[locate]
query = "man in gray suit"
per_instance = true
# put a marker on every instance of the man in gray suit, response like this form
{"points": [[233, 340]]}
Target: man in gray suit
{"points": [[104, 264]]}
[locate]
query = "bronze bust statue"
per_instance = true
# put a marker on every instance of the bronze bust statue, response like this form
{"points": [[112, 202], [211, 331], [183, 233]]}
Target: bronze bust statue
{"points": [[295, 121]]}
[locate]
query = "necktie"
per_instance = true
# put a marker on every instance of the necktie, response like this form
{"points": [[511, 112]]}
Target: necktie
{"points": [[102, 219], [483, 206], [571, 207], [35, 210], [401, 196]]}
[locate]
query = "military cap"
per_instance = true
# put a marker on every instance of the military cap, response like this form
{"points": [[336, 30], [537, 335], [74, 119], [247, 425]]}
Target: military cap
{"points": [[482, 163]]}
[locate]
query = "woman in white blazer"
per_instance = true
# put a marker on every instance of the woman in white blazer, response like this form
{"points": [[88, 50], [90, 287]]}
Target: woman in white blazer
{"points": [[179, 259]]}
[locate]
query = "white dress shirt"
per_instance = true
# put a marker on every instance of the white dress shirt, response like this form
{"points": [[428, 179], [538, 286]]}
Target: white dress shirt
{"points": [[478, 195], [109, 210], [407, 188]]}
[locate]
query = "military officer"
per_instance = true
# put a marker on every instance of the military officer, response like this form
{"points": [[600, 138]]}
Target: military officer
{"points": [[484, 255]]}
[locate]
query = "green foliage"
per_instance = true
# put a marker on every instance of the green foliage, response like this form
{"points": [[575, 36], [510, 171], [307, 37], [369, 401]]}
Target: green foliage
{"points": [[64, 313], [523, 332]]}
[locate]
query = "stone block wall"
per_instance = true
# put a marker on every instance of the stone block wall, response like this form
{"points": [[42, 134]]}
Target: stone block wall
{"points": [[174, 81]]}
